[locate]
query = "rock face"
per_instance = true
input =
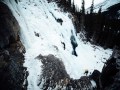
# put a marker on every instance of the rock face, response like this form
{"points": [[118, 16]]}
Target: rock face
{"points": [[110, 76], [12, 72], [53, 72], [9, 27], [55, 77], [96, 77]]}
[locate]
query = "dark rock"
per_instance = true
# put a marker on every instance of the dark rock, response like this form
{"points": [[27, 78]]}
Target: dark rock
{"points": [[86, 72], [9, 27], [96, 77], [6, 55], [108, 73], [12, 72], [59, 20], [55, 76], [79, 84], [37, 34], [63, 45], [110, 76], [16, 1], [53, 71]]}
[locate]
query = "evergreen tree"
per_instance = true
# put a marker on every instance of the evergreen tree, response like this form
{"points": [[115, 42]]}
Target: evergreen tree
{"points": [[83, 7], [73, 6], [70, 3], [92, 7], [82, 16], [100, 10]]}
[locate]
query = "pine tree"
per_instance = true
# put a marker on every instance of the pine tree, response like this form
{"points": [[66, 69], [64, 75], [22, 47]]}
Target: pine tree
{"points": [[83, 7], [69, 5], [92, 7], [100, 10], [82, 16], [73, 7]]}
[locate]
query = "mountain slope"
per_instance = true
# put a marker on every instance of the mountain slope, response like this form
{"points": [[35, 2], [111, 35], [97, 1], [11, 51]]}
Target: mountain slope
{"points": [[106, 4], [45, 30]]}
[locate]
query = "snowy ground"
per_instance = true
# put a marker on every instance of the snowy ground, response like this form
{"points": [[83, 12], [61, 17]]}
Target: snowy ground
{"points": [[35, 17]]}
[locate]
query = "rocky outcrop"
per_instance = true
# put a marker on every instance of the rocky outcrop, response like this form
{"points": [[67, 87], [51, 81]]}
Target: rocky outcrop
{"points": [[96, 77], [53, 72], [9, 27], [12, 72], [55, 77], [110, 76]]}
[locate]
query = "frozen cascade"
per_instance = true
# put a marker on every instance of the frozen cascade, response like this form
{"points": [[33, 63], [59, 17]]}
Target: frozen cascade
{"points": [[42, 34]]}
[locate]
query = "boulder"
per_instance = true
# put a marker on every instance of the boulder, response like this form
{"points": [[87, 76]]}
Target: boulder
{"points": [[96, 77]]}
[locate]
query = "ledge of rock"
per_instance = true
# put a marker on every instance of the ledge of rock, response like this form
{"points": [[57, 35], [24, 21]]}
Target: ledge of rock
{"points": [[12, 72], [110, 76]]}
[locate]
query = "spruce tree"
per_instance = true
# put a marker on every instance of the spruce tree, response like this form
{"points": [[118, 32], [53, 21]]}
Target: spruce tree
{"points": [[83, 7], [92, 7], [82, 16], [73, 7], [69, 3], [100, 10]]}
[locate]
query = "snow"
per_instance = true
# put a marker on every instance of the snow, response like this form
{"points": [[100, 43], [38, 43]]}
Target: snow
{"points": [[93, 83], [35, 16], [106, 4]]}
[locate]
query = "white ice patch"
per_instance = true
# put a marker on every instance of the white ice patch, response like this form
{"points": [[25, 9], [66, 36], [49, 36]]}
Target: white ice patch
{"points": [[93, 83]]}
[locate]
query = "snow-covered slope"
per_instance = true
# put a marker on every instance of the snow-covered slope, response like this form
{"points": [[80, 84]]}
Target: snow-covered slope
{"points": [[38, 17], [105, 5]]}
